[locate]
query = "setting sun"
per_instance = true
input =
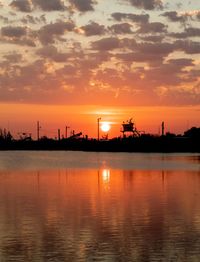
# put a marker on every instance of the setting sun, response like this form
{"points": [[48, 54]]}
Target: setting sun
{"points": [[105, 127]]}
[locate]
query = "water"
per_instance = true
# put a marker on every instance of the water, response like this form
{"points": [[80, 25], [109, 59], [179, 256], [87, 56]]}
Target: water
{"points": [[75, 206]]}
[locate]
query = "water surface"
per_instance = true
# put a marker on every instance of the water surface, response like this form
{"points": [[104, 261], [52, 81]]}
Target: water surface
{"points": [[65, 206]]}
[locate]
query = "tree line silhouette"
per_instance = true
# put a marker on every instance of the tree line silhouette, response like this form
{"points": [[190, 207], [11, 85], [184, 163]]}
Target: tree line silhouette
{"points": [[170, 142]]}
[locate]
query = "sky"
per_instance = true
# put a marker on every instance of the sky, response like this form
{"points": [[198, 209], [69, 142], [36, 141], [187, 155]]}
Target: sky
{"points": [[69, 62]]}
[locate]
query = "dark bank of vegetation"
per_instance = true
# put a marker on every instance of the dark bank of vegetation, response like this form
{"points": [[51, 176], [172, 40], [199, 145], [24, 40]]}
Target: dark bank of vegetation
{"points": [[189, 142]]}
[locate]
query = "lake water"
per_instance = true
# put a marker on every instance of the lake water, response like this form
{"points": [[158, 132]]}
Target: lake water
{"points": [[76, 206]]}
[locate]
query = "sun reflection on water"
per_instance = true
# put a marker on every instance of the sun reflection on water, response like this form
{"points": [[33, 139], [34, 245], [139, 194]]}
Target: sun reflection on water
{"points": [[106, 175]]}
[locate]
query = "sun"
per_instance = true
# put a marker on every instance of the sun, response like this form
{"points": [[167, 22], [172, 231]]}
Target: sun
{"points": [[105, 126]]}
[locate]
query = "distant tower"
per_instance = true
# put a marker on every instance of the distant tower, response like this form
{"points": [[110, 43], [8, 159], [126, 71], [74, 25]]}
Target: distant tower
{"points": [[66, 129], [59, 134], [98, 120], [129, 127], [163, 128], [38, 130]]}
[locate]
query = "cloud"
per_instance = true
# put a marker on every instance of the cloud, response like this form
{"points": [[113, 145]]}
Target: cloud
{"points": [[189, 47], [194, 14], [93, 29], [156, 48], [24, 41], [13, 57], [4, 19], [147, 4], [51, 52], [17, 35], [198, 15], [123, 28], [135, 18], [13, 31], [49, 5], [106, 44], [49, 32], [154, 27], [151, 53], [181, 62], [173, 16], [137, 56], [152, 38], [83, 5], [21, 5], [29, 19], [192, 32]]}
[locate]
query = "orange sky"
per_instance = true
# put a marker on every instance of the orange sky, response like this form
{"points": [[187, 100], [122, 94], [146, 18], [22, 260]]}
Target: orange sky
{"points": [[23, 118]]}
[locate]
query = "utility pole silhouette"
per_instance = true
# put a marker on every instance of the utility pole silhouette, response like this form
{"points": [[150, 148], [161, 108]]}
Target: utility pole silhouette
{"points": [[163, 128], [66, 129], [38, 130], [59, 134], [98, 120]]}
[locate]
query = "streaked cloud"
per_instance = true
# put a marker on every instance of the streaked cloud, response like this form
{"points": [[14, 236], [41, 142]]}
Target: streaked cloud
{"points": [[135, 18]]}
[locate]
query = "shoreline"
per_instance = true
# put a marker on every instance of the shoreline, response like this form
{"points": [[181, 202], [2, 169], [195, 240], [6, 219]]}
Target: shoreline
{"points": [[131, 144]]}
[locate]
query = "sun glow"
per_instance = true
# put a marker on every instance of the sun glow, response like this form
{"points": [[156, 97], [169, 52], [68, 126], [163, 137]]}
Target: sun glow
{"points": [[105, 126]]}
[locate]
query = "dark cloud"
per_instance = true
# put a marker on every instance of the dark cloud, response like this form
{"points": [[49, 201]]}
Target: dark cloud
{"points": [[128, 43], [152, 38], [143, 18], [21, 5], [192, 32], [173, 16], [188, 32], [4, 19], [29, 19], [50, 5], [17, 35], [190, 15], [198, 15], [147, 4], [155, 27], [13, 57], [13, 31], [108, 78], [48, 33], [93, 29], [189, 47], [105, 44], [151, 53], [51, 52], [178, 35], [181, 62], [163, 76], [123, 28], [83, 5], [163, 48], [67, 70], [93, 60], [152, 59], [23, 41]]}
